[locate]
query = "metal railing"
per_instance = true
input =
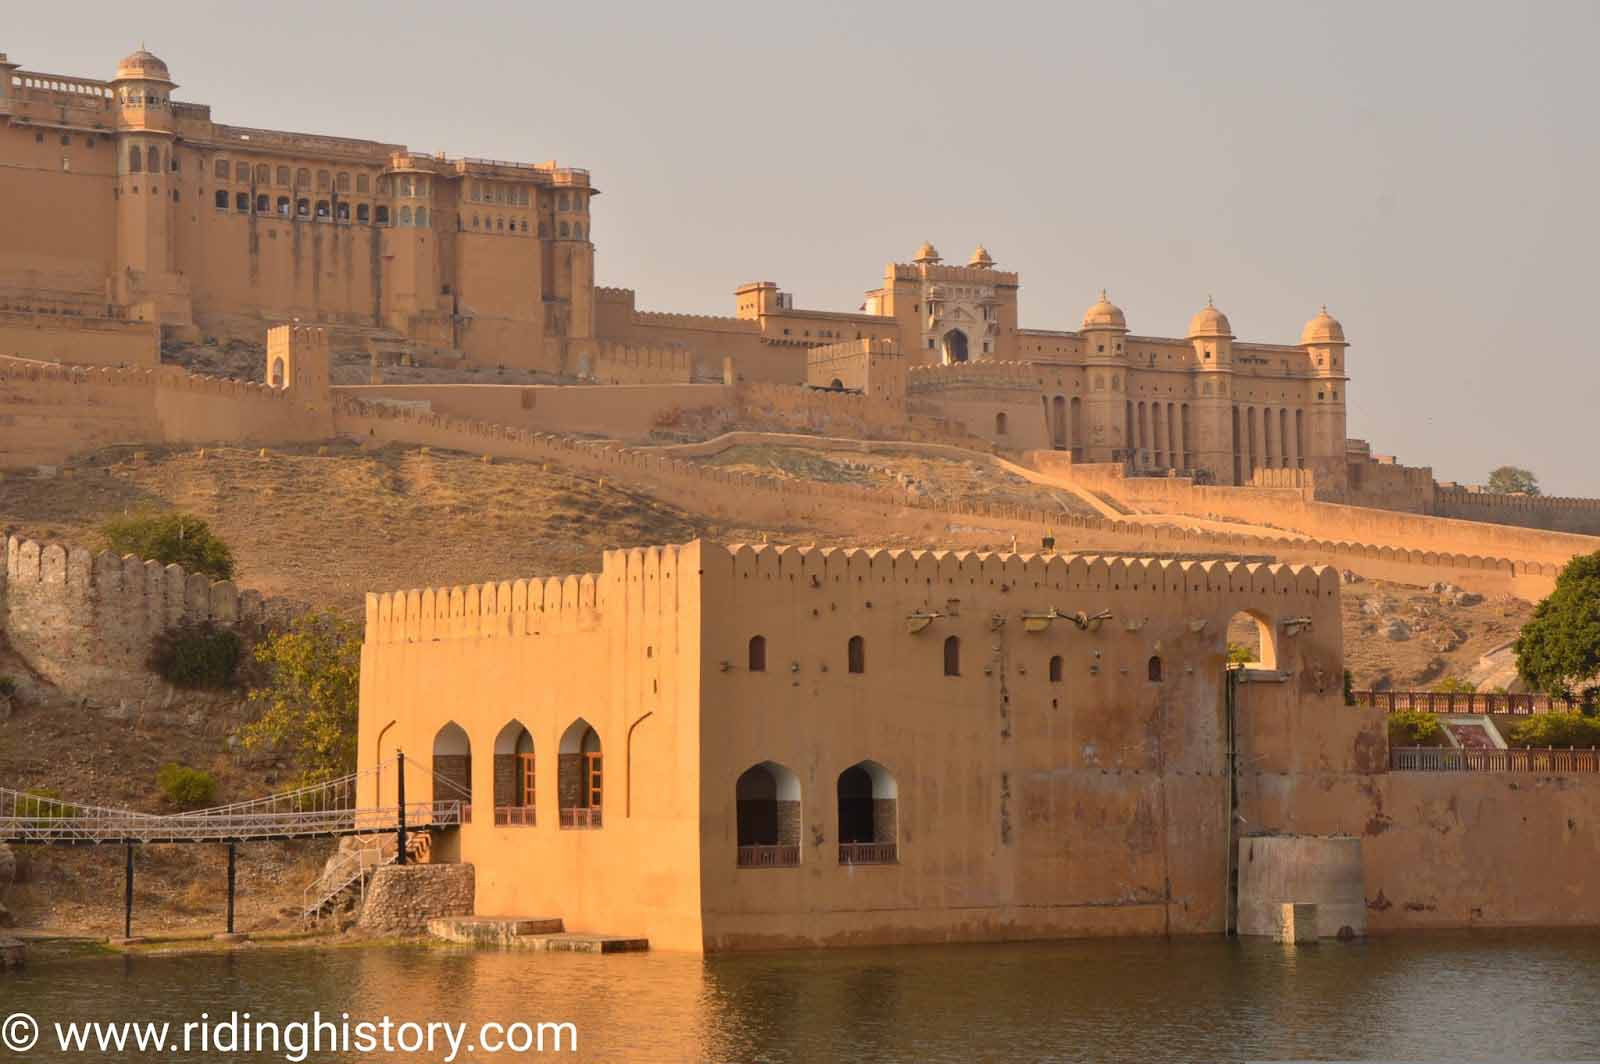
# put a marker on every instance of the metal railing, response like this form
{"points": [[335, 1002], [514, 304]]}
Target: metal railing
{"points": [[769, 856], [854, 853], [514, 816], [1513, 759], [580, 818], [1522, 705]]}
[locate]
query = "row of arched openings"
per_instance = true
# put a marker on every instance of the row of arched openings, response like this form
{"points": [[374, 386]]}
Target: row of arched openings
{"points": [[855, 654], [579, 776], [856, 658], [321, 209], [768, 815]]}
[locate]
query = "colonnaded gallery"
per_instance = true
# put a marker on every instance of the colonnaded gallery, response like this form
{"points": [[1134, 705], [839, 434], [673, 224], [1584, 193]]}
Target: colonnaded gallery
{"points": [[132, 215]]}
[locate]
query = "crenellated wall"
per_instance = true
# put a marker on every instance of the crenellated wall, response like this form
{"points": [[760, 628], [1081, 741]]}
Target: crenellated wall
{"points": [[86, 621], [1554, 513], [624, 364]]}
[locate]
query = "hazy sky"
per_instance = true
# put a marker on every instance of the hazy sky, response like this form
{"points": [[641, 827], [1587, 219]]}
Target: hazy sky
{"points": [[1428, 170]]}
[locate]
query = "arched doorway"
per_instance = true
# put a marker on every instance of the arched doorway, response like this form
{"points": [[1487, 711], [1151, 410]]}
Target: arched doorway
{"points": [[955, 347], [452, 768], [579, 777], [514, 776], [278, 378], [1250, 641], [1058, 423], [767, 812], [868, 815]]}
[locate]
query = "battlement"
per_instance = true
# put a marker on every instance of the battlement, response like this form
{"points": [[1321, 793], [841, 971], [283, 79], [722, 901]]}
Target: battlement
{"points": [[1022, 375], [86, 621], [627, 364], [604, 294], [849, 350], [665, 320], [910, 271], [1454, 495]]}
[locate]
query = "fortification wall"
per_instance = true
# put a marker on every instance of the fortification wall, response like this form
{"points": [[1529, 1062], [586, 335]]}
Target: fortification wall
{"points": [[628, 411], [85, 621], [998, 374], [79, 340], [1285, 508], [623, 364], [1390, 486], [1557, 514], [843, 414], [710, 339]]}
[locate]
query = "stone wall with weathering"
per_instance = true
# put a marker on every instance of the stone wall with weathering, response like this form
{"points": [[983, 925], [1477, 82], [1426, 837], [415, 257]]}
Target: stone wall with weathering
{"points": [[86, 622]]}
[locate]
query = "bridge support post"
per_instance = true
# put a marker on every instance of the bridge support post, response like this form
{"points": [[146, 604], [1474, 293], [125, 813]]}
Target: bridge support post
{"points": [[400, 793], [127, 894], [233, 855]]}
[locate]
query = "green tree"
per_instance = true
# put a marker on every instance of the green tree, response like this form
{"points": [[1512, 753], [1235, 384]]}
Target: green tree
{"points": [[1412, 727], [185, 787], [1559, 649], [1513, 480], [1455, 685], [1240, 654], [311, 697], [171, 538]]}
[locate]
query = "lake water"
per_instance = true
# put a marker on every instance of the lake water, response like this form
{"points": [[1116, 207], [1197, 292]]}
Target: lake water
{"points": [[1526, 995]]}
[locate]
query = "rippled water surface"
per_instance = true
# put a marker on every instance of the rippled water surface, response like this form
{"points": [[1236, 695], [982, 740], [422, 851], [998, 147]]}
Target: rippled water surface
{"points": [[1478, 996]]}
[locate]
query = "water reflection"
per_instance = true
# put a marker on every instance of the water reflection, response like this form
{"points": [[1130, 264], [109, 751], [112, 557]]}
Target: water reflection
{"points": [[1526, 995]]}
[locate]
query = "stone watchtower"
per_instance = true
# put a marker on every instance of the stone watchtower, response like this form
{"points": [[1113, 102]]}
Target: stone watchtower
{"points": [[148, 194], [1211, 439], [1106, 407], [1324, 342], [298, 362]]}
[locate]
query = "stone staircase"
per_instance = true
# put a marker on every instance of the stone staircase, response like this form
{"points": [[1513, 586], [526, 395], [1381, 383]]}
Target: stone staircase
{"points": [[348, 872], [543, 933]]}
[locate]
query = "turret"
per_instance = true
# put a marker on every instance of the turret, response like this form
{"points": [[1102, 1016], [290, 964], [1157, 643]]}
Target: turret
{"points": [[7, 68], [146, 280], [1213, 435], [1106, 406], [1324, 342]]}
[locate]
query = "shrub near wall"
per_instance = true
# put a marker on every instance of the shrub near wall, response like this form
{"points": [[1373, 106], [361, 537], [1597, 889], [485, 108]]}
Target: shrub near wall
{"points": [[197, 655], [1560, 730]]}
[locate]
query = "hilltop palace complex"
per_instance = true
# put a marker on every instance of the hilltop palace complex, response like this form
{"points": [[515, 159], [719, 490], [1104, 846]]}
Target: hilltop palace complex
{"points": [[131, 215]]}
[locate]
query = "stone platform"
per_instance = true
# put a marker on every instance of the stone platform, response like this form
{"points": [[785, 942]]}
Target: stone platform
{"points": [[545, 933], [11, 953]]}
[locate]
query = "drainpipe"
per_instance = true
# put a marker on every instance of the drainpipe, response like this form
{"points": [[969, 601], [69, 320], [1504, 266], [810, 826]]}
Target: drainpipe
{"points": [[1230, 912]]}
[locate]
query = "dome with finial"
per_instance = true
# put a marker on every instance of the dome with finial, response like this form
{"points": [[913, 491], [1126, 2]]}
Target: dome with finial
{"points": [[981, 259], [927, 253], [1209, 322], [143, 66], [1104, 315], [1323, 329]]}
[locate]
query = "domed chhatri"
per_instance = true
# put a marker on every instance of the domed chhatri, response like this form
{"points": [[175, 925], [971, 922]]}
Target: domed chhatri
{"points": [[981, 259], [1323, 329], [1104, 315], [927, 253], [143, 66], [1209, 322]]}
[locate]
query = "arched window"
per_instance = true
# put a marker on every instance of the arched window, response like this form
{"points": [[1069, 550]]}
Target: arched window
{"points": [[999, 424], [263, 174], [222, 199], [322, 209], [857, 654], [324, 181], [263, 204], [342, 182], [869, 815], [566, 230], [544, 230], [302, 208], [341, 211], [563, 202], [1153, 669], [952, 656], [363, 184], [758, 653], [135, 160], [283, 206], [955, 347], [524, 225], [382, 215], [277, 378], [452, 768], [514, 776], [302, 178], [154, 160], [241, 202], [405, 215], [363, 213], [767, 815], [220, 169], [476, 222], [1055, 668], [577, 231], [283, 176], [500, 224], [422, 216], [1250, 642], [579, 777]]}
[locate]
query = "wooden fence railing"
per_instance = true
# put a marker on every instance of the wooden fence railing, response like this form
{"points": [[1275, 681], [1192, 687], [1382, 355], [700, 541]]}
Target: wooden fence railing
{"points": [[1516, 759], [854, 853], [769, 856]]}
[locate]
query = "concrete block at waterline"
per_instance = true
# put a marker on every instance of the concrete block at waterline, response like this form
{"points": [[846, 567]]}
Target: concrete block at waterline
{"points": [[1323, 871], [1297, 922]]}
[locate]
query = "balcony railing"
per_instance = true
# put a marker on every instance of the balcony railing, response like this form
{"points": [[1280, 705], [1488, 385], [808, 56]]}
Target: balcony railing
{"points": [[1465, 702], [854, 853], [513, 816], [769, 856], [580, 819], [1515, 759]]}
